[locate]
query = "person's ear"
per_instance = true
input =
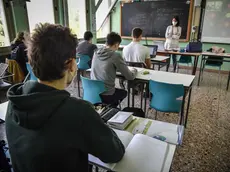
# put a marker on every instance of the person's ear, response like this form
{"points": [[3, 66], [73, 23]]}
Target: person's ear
{"points": [[72, 65]]}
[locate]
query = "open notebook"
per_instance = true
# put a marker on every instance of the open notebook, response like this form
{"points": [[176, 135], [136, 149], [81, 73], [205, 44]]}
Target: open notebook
{"points": [[143, 154]]}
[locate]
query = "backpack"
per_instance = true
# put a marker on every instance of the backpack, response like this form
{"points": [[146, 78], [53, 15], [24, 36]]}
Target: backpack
{"points": [[136, 111], [5, 164]]}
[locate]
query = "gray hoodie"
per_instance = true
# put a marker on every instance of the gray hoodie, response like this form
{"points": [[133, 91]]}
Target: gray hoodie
{"points": [[105, 64]]}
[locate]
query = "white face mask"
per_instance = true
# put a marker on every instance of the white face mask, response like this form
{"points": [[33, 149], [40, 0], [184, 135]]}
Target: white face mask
{"points": [[174, 23]]}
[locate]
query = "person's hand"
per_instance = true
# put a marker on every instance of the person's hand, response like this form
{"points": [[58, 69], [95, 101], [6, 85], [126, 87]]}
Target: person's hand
{"points": [[134, 70]]}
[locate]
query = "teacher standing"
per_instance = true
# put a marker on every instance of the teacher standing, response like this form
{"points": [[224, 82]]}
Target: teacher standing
{"points": [[172, 36]]}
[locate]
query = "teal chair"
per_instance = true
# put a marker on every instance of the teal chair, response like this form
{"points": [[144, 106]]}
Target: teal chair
{"points": [[92, 90], [184, 60], [166, 97], [83, 63], [31, 73]]}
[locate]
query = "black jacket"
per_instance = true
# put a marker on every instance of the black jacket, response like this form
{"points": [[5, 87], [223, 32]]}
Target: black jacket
{"points": [[19, 53], [47, 130]]}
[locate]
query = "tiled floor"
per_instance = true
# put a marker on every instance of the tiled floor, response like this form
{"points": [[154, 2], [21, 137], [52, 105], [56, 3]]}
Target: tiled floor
{"points": [[206, 144]]}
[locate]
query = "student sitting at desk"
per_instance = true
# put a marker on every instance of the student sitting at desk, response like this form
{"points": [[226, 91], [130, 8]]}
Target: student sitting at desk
{"points": [[135, 52], [18, 51], [47, 130], [106, 62], [86, 47]]}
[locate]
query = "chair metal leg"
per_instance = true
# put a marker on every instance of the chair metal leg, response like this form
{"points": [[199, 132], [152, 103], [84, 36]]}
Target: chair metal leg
{"points": [[78, 84], [228, 81]]}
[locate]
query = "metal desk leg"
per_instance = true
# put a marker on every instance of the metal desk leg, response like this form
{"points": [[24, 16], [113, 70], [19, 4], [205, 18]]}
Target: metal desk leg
{"points": [[228, 80], [128, 84], [168, 61], [189, 99], [195, 65], [201, 65], [133, 96], [182, 110], [142, 90], [145, 99]]}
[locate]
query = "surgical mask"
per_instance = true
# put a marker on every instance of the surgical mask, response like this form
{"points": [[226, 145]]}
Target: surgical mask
{"points": [[174, 23]]}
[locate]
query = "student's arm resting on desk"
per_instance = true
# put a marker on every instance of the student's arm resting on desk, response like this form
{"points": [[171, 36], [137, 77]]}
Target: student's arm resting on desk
{"points": [[100, 140], [122, 67]]}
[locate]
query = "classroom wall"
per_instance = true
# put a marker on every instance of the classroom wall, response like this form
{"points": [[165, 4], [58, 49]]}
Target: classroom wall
{"points": [[116, 24]]}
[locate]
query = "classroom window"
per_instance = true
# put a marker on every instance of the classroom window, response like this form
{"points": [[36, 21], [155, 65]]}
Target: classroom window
{"points": [[105, 29], [4, 37], [103, 18], [40, 11], [77, 17]]}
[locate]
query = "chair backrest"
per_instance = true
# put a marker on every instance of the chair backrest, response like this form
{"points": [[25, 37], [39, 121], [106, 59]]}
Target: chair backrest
{"points": [[136, 64], [83, 62], [32, 76], [15, 69], [92, 90], [166, 97]]}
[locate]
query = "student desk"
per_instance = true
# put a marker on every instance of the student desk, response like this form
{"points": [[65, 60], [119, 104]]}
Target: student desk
{"points": [[166, 77], [205, 56], [161, 61], [160, 76], [172, 132], [195, 55]]}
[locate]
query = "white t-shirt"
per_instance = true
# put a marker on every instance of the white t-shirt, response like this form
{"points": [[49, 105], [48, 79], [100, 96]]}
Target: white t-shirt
{"points": [[135, 52]]}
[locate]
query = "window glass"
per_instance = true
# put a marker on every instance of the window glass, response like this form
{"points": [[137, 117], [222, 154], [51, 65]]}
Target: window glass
{"points": [[105, 29], [77, 17], [4, 37], [40, 11]]}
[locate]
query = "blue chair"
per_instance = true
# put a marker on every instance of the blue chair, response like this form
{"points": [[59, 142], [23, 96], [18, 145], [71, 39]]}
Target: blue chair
{"points": [[82, 64], [184, 60], [31, 73], [92, 90], [166, 97], [213, 62]]}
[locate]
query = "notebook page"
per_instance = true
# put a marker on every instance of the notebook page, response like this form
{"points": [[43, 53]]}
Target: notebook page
{"points": [[125, 138], [143, 154], [169, 131]]}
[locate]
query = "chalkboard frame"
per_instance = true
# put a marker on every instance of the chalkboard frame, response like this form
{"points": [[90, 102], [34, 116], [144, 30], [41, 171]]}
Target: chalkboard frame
{"points": [[191, 8]]}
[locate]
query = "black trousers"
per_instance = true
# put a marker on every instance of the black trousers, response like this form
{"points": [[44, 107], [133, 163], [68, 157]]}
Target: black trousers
{"points": [[114, 99]]}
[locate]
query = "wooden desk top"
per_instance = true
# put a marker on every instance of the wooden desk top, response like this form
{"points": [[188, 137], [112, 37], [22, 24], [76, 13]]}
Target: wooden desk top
{"points": [[179, 53], [226, 55]]}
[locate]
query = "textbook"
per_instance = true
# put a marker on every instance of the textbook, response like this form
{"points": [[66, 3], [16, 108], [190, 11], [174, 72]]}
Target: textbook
{"points": [[142, 154], [121, 120]]}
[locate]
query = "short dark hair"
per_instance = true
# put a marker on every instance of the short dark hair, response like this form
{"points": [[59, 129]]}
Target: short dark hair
{"points": [[113, 38], [177, 19], [88, 35], [136, 32], [49, 48]]}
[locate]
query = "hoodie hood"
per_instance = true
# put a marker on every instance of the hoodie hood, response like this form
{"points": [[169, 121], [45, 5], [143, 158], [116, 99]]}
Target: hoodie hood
{"points": [[104, 53], [32, 104]]}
